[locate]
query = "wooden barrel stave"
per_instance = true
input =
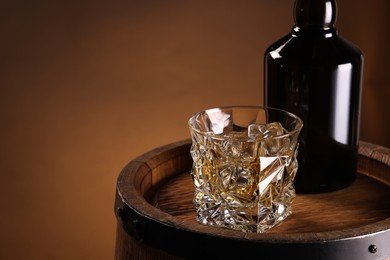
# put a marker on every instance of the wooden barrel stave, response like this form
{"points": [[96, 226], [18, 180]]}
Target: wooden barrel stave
{"points": [[145, 232], [374, 161]]}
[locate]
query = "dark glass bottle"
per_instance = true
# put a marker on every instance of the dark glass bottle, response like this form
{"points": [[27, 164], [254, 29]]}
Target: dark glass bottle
{"points": [[316, 74]]}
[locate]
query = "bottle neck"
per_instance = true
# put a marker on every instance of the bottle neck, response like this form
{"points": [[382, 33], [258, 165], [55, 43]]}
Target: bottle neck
{"points": [[315, 14], [315, 32]]}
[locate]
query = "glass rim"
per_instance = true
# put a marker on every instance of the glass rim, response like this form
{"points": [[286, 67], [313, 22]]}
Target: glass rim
{"points": [[296, 129]]}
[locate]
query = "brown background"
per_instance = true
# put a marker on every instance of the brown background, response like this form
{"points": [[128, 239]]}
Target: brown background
{"points": [[85, 86]]}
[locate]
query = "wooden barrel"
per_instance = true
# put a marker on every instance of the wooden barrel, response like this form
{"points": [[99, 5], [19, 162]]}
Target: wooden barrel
{"points": [[156, 217]]}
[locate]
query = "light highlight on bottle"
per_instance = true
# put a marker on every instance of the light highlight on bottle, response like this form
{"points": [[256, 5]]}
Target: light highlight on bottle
{"points": [[341, 106]]}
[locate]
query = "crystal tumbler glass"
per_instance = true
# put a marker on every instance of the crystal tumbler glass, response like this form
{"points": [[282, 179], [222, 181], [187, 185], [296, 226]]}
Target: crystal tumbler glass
{"points": [[244, 164]]}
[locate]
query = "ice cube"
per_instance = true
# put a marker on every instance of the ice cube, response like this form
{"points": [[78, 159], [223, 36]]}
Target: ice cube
{"points": [[267, 130], [218, 121], [269, 145]]}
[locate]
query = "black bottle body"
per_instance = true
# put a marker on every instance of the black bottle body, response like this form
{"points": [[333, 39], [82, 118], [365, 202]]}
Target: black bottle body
{"points": [[317, 75]]}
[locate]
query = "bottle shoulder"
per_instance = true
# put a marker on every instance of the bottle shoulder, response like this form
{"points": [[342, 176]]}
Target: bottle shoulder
{"points": [[311, 48], [279, 43], [351, 47]]}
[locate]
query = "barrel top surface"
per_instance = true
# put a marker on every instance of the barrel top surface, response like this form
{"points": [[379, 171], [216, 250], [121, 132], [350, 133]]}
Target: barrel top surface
{"points": [[157, 188], [311, 212]]}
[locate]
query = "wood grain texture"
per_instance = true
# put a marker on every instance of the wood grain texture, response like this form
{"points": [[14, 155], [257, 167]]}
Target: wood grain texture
{"points": [[129, 248]]}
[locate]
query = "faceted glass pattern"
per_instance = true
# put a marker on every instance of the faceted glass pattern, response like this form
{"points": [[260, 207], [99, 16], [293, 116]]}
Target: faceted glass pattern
{"points": [[244, 166]]}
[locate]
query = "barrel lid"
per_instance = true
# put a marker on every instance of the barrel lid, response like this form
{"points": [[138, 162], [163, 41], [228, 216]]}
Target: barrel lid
{"points": [[142, 220]]}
